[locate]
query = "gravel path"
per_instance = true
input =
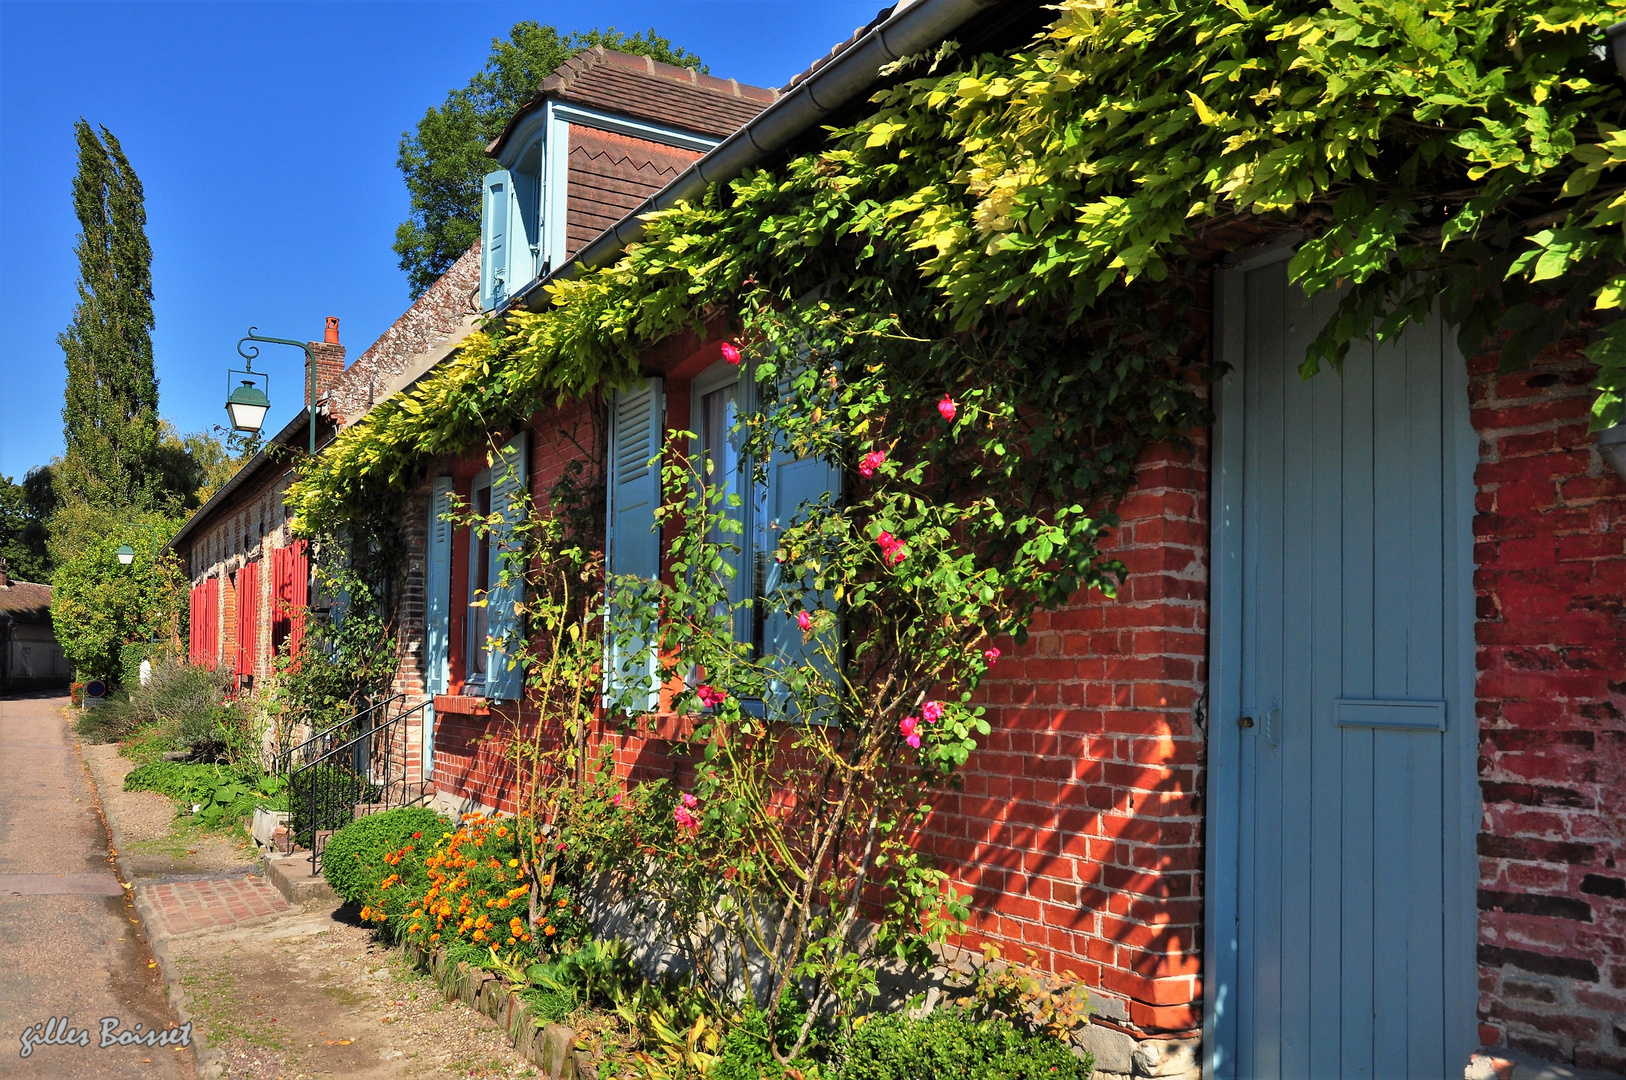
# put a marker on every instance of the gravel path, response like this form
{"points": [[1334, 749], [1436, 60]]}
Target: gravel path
{"points": [[70, 942]]}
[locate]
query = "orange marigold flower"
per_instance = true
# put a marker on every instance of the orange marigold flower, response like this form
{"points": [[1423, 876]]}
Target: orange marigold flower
{"points": [[479, 935], [434, 937], [549, 931]]}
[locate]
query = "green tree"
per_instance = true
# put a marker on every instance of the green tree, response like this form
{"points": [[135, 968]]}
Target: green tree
{"points": [[25, 515], [99, 605], [192, 467], [444, 160], [110, 410]]}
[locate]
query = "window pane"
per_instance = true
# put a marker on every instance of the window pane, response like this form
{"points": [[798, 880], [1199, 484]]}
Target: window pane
{"points": [[719, 412]]}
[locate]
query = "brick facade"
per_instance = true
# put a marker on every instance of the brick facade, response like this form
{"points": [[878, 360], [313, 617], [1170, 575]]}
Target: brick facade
{"points": [[1551, 589], [1079, 827], [610, 175]]}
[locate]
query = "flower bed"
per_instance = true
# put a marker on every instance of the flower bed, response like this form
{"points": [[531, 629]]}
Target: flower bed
{"points": [[460, 901]]}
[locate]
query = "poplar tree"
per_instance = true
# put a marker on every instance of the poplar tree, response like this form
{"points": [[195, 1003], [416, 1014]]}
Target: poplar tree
{"points": [[110, 410]]}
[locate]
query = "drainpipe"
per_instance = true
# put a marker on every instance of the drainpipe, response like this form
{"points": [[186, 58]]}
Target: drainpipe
{"points": [[912, 27]]}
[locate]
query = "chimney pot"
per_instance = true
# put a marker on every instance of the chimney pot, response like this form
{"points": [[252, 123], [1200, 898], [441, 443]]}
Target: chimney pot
{"points": [[331, 335]]}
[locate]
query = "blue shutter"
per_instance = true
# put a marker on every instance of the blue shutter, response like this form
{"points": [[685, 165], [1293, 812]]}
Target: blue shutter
{"points": [[505, 680], [494, 240], [795, 486], [437, 586], [633, 546]]}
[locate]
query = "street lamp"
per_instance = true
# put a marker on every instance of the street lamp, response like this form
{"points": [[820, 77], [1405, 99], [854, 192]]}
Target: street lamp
{"points": [[245, 399], [125, 553]]}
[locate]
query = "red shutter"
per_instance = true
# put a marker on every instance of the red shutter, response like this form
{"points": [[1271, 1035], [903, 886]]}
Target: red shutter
{"points": [[194, 616], [248, 617], [210, 637], [299, 593]]}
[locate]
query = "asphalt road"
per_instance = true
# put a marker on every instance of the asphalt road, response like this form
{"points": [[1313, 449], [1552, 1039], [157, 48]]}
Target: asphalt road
{"points": [[70, 943]]}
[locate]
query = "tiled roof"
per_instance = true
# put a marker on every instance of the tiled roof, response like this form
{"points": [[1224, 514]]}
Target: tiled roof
{"points": [[641, 88], [841, 47], [26, 602]]}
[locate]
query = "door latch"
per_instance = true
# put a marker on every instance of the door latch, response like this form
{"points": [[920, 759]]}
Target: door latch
{"points": [[1245, 721]]}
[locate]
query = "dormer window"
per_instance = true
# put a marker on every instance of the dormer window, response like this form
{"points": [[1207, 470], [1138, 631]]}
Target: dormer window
{"points": [[613, 130]]}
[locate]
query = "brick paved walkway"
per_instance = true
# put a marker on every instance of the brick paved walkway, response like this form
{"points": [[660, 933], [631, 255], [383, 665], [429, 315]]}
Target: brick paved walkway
{"points": [[182, 906]]}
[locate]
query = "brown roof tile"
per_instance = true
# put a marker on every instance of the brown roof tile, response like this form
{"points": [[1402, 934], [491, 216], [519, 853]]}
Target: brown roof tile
{"points": [[641, 88], [26, 602]]}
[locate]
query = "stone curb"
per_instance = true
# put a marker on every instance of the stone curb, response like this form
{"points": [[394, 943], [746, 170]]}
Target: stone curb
{"points": [[551, 1047], [211, 1061]]}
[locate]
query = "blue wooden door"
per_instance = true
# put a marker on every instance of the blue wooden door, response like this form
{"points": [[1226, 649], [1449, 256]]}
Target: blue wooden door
{"points": [[1341, 746]]}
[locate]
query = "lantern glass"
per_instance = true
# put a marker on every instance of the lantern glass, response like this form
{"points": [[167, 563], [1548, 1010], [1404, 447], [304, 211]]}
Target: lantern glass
{"points": [[125, 553]]}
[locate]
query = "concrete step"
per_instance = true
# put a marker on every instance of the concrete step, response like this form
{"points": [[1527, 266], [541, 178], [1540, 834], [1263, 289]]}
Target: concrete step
{"points": [[291, 876]]}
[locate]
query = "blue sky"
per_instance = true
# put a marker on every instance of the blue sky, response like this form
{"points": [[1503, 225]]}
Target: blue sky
{"points": [[265, 135]]}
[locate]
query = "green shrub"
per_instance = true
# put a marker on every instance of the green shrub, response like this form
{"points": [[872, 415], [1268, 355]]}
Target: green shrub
{"points": [[353, 860], [951, 1044], [224, 794], [325, 797], [181, 707], [130, 657], [745, 1053]]}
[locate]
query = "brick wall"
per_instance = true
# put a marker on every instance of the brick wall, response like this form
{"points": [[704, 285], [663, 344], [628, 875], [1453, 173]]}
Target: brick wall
{"points": [[1079, 827], [610, 175], [1551, 589]]}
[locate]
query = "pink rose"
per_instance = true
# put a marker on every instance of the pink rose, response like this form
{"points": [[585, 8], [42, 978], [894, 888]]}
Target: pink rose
{"points": [[914, 741], [908, 724], [871, 462], [932, 711], [690, 801], [947, 408], [730, 352], [710, 696], [685, 819], [804, 620], [990, 655], [618, 800], [892, 550]]}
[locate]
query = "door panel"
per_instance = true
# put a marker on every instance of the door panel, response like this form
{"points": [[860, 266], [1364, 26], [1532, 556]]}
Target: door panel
{"points": [[1350, 544]]}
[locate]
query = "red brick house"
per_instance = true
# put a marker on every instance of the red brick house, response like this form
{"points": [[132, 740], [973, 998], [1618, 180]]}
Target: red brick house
{"points": [[1286, 815]]}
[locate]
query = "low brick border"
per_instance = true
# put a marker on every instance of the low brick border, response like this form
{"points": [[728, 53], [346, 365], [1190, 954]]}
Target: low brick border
{"points": [[550, 1047]]}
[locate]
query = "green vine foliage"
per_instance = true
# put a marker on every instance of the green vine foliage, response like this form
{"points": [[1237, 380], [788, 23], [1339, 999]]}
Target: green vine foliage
{"points": [[349, 655]]}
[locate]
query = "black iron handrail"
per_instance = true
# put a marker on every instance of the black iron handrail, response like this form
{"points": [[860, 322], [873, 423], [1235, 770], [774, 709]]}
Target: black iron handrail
{"points": [[350, 723], [369, 770]]}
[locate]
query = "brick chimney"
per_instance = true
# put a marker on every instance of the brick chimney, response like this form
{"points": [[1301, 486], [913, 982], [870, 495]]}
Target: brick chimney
{"points": [[329, 356], [4, 580]]}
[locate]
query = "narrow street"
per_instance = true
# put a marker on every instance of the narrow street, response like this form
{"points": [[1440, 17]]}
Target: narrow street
{"points": [[70, 943]]}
